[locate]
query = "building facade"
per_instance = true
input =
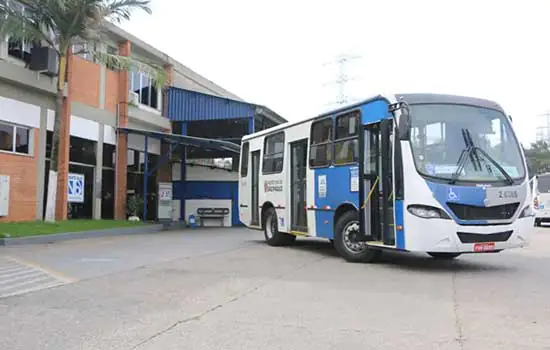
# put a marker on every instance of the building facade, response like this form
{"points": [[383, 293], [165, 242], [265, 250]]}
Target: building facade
{"points": [[98, 101]]}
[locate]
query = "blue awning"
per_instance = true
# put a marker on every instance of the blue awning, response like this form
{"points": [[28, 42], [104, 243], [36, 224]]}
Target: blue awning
{"points": [[175, 139]]}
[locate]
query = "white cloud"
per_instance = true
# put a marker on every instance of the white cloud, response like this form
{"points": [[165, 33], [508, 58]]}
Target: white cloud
{"points": [[273, 52]]}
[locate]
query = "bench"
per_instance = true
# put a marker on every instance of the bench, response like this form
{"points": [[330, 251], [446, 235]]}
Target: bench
{"points": [[212, 213]]}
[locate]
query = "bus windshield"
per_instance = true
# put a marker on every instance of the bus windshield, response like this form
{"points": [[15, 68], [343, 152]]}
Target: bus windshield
{"points": [[442, 133]]}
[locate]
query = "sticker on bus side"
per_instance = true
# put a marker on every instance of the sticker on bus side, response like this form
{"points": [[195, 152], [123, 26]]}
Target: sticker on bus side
{"points": [[322, 186], [354, 179]]}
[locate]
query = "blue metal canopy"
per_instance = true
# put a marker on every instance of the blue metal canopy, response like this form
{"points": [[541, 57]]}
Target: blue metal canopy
{"points": [[176, 140]]}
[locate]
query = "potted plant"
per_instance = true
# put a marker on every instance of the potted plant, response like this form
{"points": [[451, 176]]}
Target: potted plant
{"points": [[134, 207]]}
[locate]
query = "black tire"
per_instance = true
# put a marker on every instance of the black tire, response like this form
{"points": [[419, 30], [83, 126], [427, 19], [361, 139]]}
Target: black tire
{"points": [[444, 256], [271, 230], [348, 221]]}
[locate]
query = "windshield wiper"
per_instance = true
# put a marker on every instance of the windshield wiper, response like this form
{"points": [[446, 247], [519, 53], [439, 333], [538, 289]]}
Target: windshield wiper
{"points": [[471, 151], [495, 163], [466, 152]]}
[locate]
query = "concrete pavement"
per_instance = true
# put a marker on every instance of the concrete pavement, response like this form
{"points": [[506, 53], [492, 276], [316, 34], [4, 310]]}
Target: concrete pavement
{"points": [[221, 289]]}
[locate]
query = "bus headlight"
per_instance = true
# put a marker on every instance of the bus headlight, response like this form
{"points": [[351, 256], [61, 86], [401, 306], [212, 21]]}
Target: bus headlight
{"points": [[427, 212], [527, 212]]}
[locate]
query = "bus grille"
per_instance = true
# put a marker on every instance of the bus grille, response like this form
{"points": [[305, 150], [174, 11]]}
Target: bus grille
{"points": [[470, 212], [466, 237]]}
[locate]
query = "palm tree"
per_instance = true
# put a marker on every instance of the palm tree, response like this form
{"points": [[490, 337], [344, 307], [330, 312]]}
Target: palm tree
{"points": [[60, 24]]}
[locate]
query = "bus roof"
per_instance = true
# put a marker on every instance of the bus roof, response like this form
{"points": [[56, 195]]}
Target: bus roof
{"points": [[293, 123], [410, 98], [426, 98]]}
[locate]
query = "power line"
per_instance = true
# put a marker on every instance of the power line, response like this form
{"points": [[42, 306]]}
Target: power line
{"points": [[342, 78], [543, 130]]}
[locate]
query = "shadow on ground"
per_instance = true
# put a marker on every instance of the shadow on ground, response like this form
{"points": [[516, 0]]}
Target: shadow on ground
{"points": [[410, 261]]}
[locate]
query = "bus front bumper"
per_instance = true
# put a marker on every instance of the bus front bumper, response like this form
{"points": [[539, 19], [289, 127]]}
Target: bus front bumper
{"points": [[446, 236]]}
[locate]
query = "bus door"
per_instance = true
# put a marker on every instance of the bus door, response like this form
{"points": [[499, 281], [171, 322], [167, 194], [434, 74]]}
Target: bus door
{"points": [[255, 181], [298, 185], [376, 183]]}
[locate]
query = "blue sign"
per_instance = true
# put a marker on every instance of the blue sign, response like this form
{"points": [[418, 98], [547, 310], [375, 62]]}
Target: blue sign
{"points": [[75, 188]]}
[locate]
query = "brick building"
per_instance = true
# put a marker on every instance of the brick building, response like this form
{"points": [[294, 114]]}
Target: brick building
{"points": [[99, 100]]}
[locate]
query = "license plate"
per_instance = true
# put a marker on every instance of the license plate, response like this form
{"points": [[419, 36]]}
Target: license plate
{"points": [[484, 247]]}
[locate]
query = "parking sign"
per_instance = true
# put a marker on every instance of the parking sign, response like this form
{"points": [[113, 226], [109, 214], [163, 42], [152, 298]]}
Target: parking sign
{"points": [[76, 188]]}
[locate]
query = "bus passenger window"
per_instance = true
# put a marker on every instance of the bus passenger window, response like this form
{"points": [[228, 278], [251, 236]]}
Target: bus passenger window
{"points": [[274, 148], [346, 144], [320, 145], [244, 159]]}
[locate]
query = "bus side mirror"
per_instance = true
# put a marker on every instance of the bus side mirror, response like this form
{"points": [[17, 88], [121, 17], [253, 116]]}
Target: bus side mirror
{"points": [[404, 124]]}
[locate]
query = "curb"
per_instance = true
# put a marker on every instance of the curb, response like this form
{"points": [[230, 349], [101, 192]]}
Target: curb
{"points": [[44, 239]]}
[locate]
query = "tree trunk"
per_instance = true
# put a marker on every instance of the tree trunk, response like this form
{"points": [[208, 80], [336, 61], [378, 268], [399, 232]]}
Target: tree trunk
{"points": [[54, 166]]}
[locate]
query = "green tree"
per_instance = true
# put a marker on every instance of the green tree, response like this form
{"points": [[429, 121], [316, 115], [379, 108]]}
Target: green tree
{"points": [[538, 157], [59, 24]]}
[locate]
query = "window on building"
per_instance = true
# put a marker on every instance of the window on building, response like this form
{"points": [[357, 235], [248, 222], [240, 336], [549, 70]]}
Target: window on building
{"points": [[14, 138], [346, 143], [244, 159], [20, 49], [109, 154], [82, 151], [274, 149], [142, 84], [320, 153]]}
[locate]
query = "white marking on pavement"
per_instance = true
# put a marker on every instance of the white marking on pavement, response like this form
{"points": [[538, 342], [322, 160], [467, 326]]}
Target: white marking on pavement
{"points": [[18, 276]]}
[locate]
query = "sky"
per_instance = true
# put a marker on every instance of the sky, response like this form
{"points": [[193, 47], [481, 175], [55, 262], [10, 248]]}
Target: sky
{"points": [[279, 53]]}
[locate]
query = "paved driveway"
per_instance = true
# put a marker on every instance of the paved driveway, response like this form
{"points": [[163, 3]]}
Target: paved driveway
{"points": [[225, 289]]}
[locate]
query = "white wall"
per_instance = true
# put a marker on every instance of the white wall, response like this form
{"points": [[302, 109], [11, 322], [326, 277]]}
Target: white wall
{"points": [[201, 173], [18, 112], [89, 129], [109, 135], [191, 206], [137, 142], [80, 127]]}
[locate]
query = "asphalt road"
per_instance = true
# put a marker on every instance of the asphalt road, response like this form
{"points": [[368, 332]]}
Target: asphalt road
{"points": [[225, 289]]}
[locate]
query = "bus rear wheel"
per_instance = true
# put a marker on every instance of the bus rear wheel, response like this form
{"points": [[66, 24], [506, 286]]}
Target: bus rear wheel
{"points": [[271, 230], [346, 243]]}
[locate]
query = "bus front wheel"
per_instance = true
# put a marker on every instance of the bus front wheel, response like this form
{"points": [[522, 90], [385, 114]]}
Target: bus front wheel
{"points": [[271, 230], [346, 243]]}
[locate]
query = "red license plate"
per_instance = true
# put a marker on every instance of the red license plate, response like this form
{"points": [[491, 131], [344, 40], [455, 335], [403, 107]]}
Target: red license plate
{"points": [[484, 247]]}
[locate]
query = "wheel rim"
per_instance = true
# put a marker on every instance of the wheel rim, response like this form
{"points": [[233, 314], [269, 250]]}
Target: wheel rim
{"points": [[270, 227], [350, 238]]}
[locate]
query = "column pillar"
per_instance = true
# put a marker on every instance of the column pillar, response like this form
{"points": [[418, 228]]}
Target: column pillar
{"points": [[98, 181], [183, 171], [251, 125], [121, 170], [41, 156]]}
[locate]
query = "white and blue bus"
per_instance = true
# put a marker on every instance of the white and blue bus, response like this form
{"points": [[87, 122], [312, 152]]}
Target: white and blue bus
{"points": [[432, 173]]}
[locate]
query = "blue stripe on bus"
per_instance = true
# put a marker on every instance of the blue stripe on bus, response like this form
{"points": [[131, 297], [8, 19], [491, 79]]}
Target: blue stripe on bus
{"points": [[400, 234]]}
